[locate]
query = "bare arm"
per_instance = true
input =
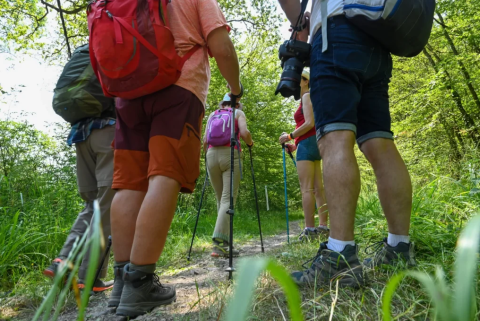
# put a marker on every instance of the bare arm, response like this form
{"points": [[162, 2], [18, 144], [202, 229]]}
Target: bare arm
{"points": [[222, 49], [308, 114], [242, 127], [291, 9], [307, 125], [205, 145]]}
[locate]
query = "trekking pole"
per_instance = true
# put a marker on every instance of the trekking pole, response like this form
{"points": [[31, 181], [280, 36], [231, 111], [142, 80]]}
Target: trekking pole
{"points": [[199, 207], [231, 211], [293, 159], [256, 197], [103, 258], [285, 185]]}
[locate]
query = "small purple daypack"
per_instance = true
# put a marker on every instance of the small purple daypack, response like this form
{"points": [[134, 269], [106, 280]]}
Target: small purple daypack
{"points": [[218, 127]]}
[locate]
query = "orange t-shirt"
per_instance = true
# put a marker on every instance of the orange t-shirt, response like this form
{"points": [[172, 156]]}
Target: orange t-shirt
{"points": [[191, 22]]}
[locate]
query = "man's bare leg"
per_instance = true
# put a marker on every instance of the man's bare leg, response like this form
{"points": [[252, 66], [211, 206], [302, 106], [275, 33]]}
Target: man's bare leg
{"points": [[154, 220], [342, 182], [393, 183], [123, 215]]}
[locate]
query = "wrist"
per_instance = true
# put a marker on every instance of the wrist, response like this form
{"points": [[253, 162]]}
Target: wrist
{"points": [[237, 91], [291, 135]]}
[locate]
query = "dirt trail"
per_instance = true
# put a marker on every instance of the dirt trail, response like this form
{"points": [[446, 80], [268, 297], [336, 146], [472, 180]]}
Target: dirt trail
{"points": [[203, 271]]}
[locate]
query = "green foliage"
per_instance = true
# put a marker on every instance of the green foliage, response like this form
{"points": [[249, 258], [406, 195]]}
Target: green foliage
{"points": [[249, 271], [38, 198], [68, 270], [17, 248], [449, 304]]}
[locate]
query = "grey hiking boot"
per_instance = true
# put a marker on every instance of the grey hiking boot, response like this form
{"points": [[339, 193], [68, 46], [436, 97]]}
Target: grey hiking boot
{"points": [[389, 255], [221, 249], [309, 235], [323, 230], [114, 299], [328, 266], [142, 291]]}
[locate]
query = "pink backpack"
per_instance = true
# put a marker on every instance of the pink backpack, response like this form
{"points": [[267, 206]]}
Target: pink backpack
{"points": [[218, 127]]}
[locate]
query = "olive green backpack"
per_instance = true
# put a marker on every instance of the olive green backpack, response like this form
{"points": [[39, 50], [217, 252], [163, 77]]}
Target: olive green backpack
{"points": [[78, 94]]}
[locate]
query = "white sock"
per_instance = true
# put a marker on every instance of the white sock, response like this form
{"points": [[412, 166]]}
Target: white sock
{"points": [[394, 239], [337, 245], [311, 229]]}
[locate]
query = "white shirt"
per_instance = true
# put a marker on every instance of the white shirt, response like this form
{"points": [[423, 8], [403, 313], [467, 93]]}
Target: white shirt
{"points": [[335, 7]]}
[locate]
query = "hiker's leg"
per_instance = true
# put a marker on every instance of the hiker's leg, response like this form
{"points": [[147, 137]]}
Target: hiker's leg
{"points": [[105, 196], [154, 220], [87, 187], [123, 215], [222, 226], [393, 183], [80, 225], [306, 176], [100, 141], [216, 178], [342, 181], [320, 195]]}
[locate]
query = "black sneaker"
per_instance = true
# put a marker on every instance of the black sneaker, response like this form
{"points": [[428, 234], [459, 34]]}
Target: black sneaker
{"points": [[328, 266], [390, 255], [142, 292], [114, 299], [98, 285]]}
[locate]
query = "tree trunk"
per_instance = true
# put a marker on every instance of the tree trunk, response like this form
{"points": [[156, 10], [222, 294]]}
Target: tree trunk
{"points": [[450, 136], [469, 122]]}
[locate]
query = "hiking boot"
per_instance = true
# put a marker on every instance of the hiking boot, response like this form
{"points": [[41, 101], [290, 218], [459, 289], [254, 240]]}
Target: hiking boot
{"points": [[114, 299], [391, 255], [309, 235], [51, 271], [142, 291], [98, 285], [323, 230], [221, 249], [328, 266]]}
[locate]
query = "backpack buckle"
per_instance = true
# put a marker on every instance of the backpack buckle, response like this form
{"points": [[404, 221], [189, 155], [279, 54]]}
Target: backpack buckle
{"points": [[109, 14]]}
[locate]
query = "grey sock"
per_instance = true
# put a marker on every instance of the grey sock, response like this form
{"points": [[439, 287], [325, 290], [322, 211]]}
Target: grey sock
{"points": [[149, 268], [120, 264]]}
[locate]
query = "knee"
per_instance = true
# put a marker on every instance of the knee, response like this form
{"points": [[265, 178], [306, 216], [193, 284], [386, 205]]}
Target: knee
{"points": [[377, 148], [337, 141]]}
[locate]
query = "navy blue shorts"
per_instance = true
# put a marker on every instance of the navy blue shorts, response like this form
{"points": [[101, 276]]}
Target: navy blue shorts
{"points": [[307, 150], [349, 82]]}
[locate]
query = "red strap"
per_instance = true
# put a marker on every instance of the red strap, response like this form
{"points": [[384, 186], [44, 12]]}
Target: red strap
{"points": [[189, 54], [118, 32], [144, 42]]}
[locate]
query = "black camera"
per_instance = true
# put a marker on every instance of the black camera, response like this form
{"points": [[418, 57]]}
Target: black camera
{"points": [[294, 55]]}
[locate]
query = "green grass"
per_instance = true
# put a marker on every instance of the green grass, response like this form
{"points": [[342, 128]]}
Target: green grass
{"points": [[33, 232]]}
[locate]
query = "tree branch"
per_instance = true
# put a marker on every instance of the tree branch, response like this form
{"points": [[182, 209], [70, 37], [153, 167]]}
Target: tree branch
{"points": [[64, 30], [59, 9]]}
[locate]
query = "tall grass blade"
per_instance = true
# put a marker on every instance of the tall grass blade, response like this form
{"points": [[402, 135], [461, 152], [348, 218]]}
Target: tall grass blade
{"points": [[439, 300], [249, 271], [95, 240], [466, 265]]}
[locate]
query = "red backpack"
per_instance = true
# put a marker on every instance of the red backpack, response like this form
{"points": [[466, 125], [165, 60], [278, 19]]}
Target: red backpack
{"points": [[131, 47]]}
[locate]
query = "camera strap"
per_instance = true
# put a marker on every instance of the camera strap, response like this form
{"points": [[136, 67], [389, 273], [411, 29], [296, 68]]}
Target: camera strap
{"points": [[298, 26], [324, 9]]}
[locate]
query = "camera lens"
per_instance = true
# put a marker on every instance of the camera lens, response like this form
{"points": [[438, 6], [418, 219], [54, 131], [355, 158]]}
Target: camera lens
{"points": [[289, 84]]}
